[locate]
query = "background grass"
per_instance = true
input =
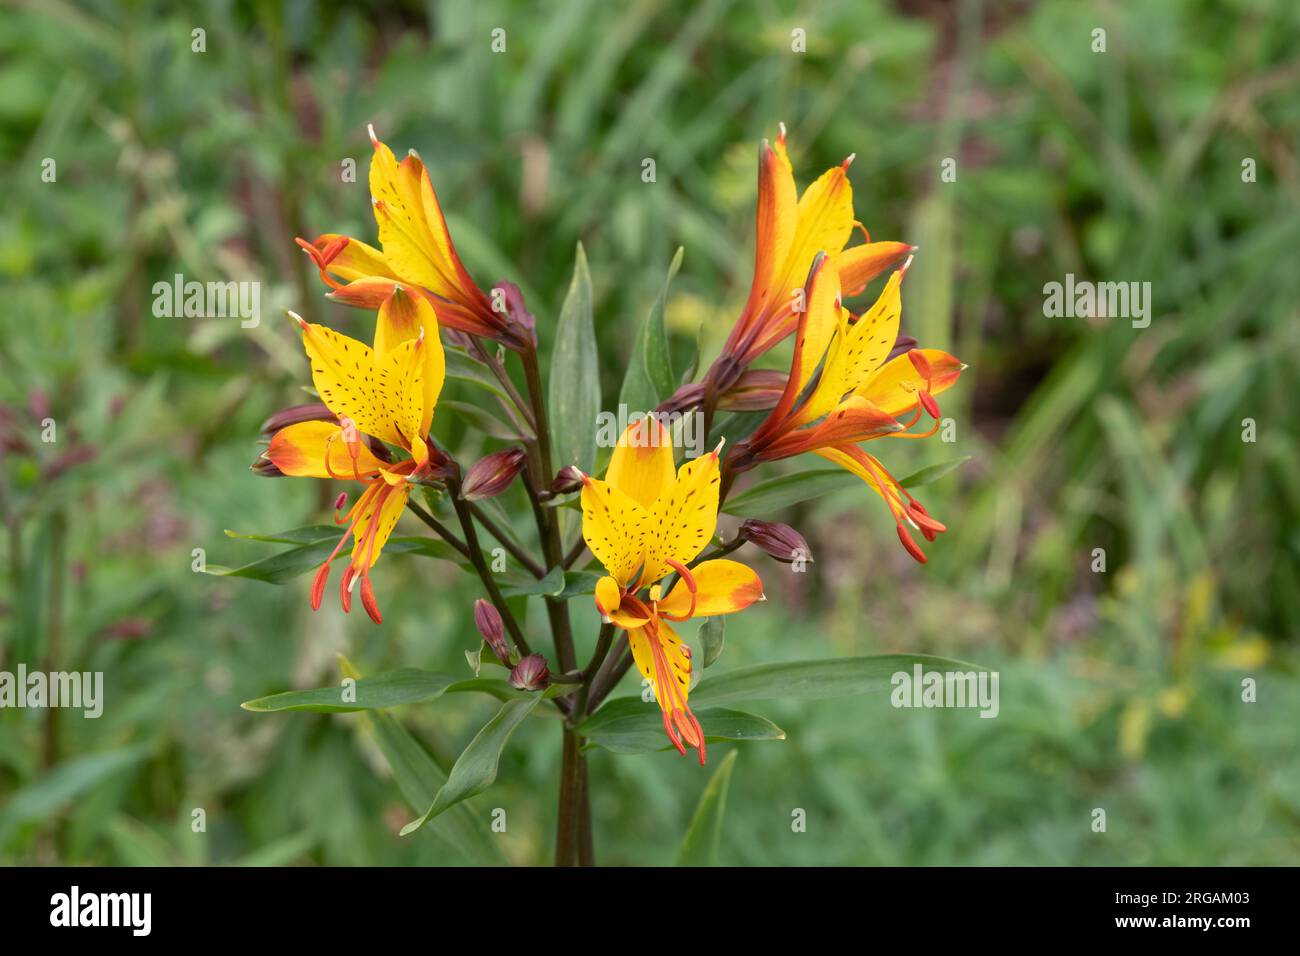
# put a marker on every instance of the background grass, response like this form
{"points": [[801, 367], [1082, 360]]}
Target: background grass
{"points": [[1120, 690]]}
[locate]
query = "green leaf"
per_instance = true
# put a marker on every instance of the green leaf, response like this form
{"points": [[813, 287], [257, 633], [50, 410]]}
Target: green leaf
{"points": [[713, 634], [700, 845], [480, 418], [308, 534], [557, 583], [461, 365], [476, 768], [649, 379], [812, 680], [420, 779], [735, 427], [933, 472], [64, 784], [775, 494], [521, 583], [287, 565], [574, 389], [628, 725], [404, 686]]}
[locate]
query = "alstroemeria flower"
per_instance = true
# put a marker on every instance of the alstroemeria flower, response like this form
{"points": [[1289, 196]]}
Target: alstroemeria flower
{"points": [[387, 392], [789, 233], [417, 252], [647, 520], [844, 389]]}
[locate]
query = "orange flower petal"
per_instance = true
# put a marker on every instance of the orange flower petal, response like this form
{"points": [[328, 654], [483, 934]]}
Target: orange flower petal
{"points": [[722, 586]]}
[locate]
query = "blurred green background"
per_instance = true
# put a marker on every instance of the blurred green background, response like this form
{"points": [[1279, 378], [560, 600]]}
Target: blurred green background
{"points": [[1119, 690]]}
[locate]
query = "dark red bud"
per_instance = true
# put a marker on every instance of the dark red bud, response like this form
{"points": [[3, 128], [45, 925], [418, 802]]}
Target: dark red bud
{"points": [[757, 389], [488, 621], [520, 326], [779, 540], [263, 467], [904, 343], [492, 475], [311, 412], [567, 480], [531, 673], [682, 400]]}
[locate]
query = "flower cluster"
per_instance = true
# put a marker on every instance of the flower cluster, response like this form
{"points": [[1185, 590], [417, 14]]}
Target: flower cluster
{"points": [[650, 520]]}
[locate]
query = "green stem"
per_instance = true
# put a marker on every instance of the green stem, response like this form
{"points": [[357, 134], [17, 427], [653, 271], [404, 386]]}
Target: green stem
{"points": [[570, 823], [439, 528], [603, 642], [484, 572], [557, 611], [507, 542], [573, 837], [503, 377], [609, 676]]}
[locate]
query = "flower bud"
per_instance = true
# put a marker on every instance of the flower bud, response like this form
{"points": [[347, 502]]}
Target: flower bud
{"points": [[531, 673], [311, 412], [902, 345], [567, 480], [779, 540], [682, 400], [488, 621], [756, 389], [520, 326], [263, 467], [492, 475]]}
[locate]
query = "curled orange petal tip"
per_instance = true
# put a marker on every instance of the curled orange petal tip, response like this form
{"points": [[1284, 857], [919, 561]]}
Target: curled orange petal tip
{"points": [[848, 160], [374, 140]]}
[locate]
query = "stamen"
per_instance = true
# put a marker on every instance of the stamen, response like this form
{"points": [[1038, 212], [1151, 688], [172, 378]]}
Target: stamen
{"points": [[921, 364], [928, 402], [912, 547], [368, 601], [689, 580], [345, 588]]}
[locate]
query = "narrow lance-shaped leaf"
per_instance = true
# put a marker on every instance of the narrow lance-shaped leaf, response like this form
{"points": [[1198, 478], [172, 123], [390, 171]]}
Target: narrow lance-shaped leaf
{"points": [[629, 725], [287, 565], [404, 686], [833, 677], [649, 379], [476, 768], [573, 395], [468, 369], [419, 779], [776, 494], [703, 837], [924, 476]]}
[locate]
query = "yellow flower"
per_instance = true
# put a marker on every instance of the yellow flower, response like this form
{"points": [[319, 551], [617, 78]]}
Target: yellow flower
{"points": [[844, 388], [644, 521], [384, 394], [790, 230], [417, 252]]}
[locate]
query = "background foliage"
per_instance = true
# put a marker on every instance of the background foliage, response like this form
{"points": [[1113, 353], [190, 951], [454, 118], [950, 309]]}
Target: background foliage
{"points": [[1119, 690]]}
